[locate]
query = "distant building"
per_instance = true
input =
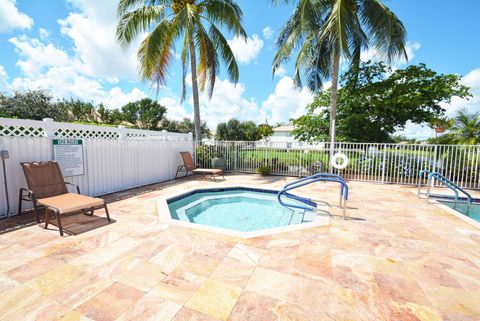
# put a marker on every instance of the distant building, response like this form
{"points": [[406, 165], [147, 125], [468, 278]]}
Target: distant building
{"points": [[283, 134]]}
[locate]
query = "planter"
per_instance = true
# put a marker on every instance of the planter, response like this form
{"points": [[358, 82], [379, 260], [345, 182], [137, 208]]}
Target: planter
{"points": [[219, 163]]}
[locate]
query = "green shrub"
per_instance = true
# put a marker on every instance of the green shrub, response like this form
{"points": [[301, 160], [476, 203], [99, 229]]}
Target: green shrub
{"points": [[264, 170]]}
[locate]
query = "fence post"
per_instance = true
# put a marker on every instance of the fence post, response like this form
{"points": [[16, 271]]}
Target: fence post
{"points": [[121, 132], [49, 127], [434, 165], [384, 161]]}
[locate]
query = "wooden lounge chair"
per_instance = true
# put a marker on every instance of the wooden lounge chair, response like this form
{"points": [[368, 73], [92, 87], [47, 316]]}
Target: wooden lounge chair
{"points": [[48, 189], [189, 166]]}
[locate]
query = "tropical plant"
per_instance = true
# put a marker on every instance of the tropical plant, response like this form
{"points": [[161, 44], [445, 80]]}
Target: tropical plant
{"points": [[264, 169], [185, 126], [33, 104], [375, 101], [264, 131], [466, 129], [145, 113], [196, 25], [323, 32]]}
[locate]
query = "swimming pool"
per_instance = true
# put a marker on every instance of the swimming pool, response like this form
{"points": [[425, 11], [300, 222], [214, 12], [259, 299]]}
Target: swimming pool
{"points": [[240, 209], [462, 207]]}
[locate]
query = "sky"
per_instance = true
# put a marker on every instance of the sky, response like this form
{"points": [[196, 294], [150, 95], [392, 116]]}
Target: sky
{"points": [[68, 47]]}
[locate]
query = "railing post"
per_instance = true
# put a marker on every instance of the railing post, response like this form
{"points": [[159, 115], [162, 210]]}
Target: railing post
{"points": [[49, 127], [235, 155], [300, 165], [384, 162], [434, 165]]}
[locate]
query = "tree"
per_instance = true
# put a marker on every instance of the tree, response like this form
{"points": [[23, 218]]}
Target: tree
{"points": [[231, 130], [145, 113], [375, 101], [185, 126], [236, 130], [324, 31], [466, 129], [264, 131], [193, 24], [32, 104], [78, 110]]}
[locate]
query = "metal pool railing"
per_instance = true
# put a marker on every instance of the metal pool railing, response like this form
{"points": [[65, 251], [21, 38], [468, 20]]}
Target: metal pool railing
{"points": [[384, 163]]}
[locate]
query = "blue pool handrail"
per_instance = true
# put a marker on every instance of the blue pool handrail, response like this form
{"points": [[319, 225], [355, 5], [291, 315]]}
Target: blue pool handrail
{"points": [[325, 177], [448, 183]]}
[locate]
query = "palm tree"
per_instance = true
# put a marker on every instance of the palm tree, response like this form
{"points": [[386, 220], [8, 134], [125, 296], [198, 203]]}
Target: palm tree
{"points": [[193, 24], [466, 129], [324, 32]]}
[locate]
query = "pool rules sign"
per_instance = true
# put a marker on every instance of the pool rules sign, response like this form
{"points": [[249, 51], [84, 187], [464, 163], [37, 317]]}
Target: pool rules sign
{"points": [[69, 155]]}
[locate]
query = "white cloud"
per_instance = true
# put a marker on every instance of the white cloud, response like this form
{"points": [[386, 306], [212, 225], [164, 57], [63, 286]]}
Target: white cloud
{"points": [[175, 110], [36, 56], [11, 18], [472, 80], [287, 101], [246, 51], [44, 66], [227, 102], [3, 79], [92, 31], [267, 32], [417, 131], [43, 33]]}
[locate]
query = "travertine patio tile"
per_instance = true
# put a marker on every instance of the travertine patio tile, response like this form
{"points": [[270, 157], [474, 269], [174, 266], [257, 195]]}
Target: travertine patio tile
{"points": [[55, 279], [100, 256], [143, 276], [269, 283], [18, 298], [171, 258], [44, 309], [33, 269], [151, 308], [187, 314], [215, 299], [233, 272], [74, 316], [81, 290], [412, 262], [15, 256], [178, 286], [111, 303]]}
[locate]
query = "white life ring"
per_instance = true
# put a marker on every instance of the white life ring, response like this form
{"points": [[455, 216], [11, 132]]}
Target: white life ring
{"points": [[341, 156]]}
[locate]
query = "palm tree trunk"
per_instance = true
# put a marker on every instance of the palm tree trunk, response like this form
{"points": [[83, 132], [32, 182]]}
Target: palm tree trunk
{"points": [[196, 102], [333, 102]]}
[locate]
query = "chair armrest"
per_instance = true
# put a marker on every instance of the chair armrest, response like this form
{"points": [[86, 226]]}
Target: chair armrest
{"points": [[25, 192], [76, 186]]}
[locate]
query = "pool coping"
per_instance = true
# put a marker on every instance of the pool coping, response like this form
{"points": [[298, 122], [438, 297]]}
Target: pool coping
{"points": [[164, 217], [450, 210]]}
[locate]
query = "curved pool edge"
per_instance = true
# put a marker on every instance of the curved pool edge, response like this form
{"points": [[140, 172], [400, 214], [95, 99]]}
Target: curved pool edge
{"points": [[164, 217]]}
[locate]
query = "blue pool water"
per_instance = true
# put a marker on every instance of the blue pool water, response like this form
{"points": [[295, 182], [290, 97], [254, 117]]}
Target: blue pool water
{"points": [[236, 209], [473, 213]]}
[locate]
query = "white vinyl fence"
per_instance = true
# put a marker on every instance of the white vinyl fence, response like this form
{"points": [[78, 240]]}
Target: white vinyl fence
{"points": [[385, 163], [115, 159]]}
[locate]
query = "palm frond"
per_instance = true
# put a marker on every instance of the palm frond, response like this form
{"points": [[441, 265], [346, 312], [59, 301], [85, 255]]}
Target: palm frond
{"points": [[225, 13], [223, 48], [133, 23], [385, 30]]}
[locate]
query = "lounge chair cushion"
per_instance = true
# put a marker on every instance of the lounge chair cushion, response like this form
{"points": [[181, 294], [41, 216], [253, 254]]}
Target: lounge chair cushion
{"points": [[70, 202]]}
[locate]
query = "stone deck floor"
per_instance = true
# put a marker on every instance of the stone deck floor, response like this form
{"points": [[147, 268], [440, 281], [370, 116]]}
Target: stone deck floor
{"points": [[398, 258]]}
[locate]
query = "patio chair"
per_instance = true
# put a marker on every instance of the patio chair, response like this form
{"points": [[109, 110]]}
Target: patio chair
{"points": [[190, 166], [48, 189]]}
